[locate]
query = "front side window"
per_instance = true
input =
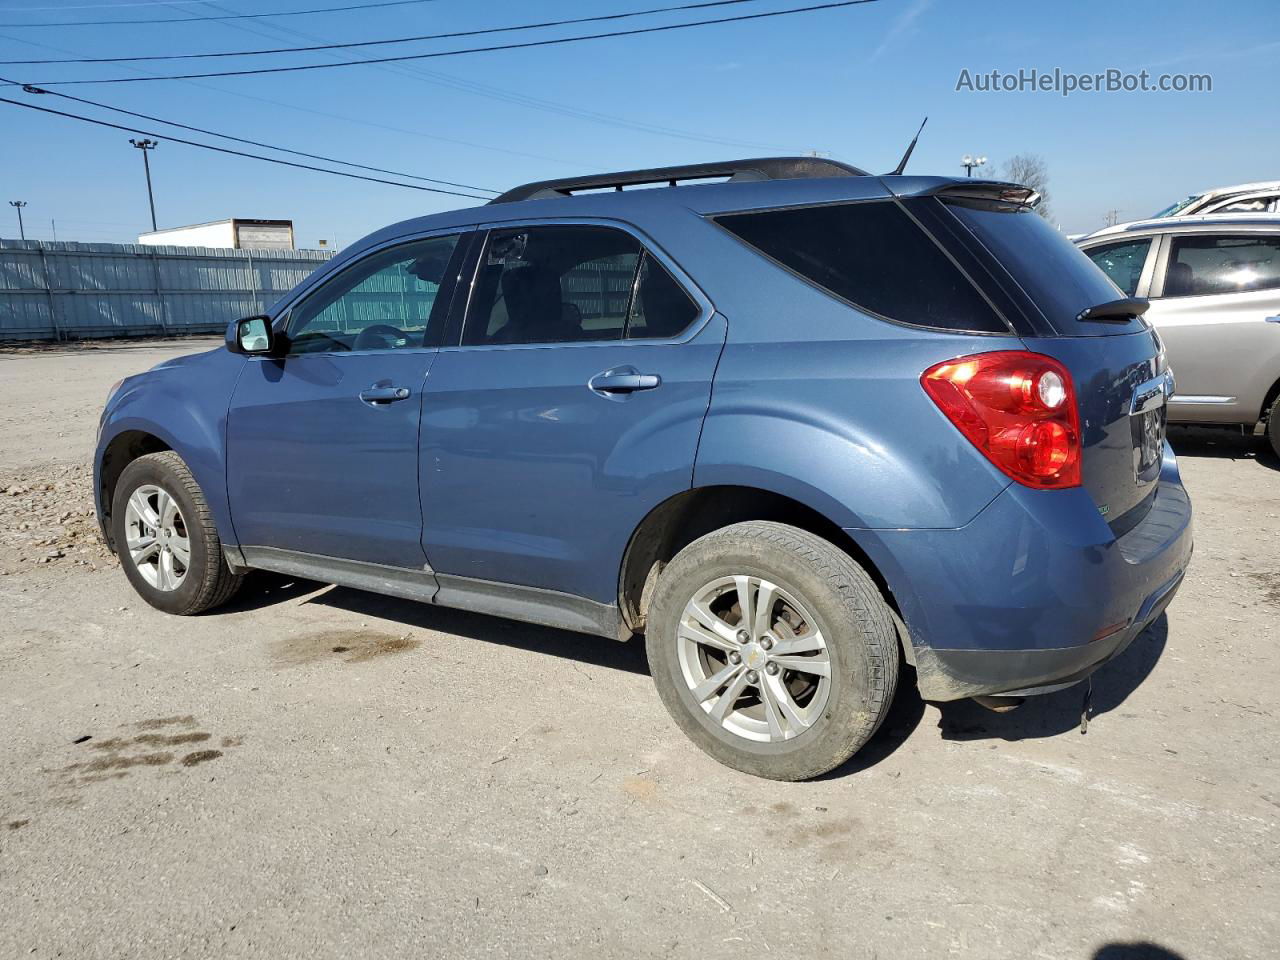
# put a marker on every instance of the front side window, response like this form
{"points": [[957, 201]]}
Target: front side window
{"points": [[1122, 262], [383, 302], [571, 284], [1202, 265], [871, 255]]}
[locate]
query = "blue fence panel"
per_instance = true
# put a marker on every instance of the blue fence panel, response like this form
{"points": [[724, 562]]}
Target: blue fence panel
{"points": [[60, 290]]}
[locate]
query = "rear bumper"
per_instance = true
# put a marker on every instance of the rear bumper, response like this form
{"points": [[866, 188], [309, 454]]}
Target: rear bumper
{"points": [[1035, 593]]}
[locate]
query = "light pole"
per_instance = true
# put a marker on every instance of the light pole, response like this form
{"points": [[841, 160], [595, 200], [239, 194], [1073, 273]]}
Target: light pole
{"points": [[18, 205], [144, 146], [970, 163]]}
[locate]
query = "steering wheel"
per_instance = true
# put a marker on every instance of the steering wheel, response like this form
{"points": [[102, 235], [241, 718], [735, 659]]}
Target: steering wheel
{"points": [[379, 336]]}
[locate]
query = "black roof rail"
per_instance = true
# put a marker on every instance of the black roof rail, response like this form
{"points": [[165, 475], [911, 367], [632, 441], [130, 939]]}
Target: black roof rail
{"points": [[760, 168]]}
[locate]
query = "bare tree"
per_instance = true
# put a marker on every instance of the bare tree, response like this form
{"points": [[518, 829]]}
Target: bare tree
{"points": [[1031, 170]]}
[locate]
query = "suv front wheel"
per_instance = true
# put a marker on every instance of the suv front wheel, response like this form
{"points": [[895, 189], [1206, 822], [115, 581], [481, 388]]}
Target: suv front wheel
{"points": [[165, 537], [772, 649]]}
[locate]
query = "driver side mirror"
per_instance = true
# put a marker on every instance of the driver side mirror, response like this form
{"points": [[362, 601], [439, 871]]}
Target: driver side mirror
{"points": [[251, 335]]}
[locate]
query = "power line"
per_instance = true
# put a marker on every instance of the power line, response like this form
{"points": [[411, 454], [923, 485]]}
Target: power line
{"points": [[454, 53], [253, 143], [393, 40], [238, 153], [312, 111], [230, 16], [419, 73]]}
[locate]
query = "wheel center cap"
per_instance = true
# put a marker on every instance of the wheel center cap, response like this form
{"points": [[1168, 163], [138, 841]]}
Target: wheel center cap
{"points": [[754, 656]]}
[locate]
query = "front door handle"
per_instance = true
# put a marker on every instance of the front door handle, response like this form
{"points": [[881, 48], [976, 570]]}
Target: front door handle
{"points": [[382, 395], [624, 381]]}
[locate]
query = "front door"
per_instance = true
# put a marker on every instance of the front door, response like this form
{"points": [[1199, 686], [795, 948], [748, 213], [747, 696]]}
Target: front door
{"points": [[322, 442], [571, 408]]}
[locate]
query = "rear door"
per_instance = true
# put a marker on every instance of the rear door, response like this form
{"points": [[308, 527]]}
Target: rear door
{"points": [[322, 442], [571, 407], [1216, 304]]}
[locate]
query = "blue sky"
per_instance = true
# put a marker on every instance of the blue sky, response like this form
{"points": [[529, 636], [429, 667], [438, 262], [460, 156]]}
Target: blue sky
{"points": [[852, 83]]}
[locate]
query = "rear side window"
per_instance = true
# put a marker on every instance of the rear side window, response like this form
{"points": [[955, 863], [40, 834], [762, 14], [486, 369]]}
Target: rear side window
{"points": [[553, 285], [1205, 265], [1122, 262], [572, 284], [873, 256]]}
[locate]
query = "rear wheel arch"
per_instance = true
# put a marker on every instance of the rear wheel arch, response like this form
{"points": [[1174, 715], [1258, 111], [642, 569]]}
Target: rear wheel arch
{"points": [[683, 518], [124, 448]]}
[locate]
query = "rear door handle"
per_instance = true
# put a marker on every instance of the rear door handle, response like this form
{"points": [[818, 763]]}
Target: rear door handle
{"points": [[384, 394], [623, 381]]}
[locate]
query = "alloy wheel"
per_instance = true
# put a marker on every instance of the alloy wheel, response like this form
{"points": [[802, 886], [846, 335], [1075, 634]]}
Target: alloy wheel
{"points": [[754, 658], [157, 537]]}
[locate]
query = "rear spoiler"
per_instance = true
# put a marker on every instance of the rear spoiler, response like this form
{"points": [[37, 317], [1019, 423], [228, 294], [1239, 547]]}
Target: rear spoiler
{"points": [[1115, 310], [991, 191]]}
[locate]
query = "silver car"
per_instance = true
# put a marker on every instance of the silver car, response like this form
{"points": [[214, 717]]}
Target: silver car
{"points": [[1214, 287], [1260, 197]]}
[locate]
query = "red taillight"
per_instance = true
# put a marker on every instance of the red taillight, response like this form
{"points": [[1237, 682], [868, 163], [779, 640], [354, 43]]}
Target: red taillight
{"points": [[1018, 408]]}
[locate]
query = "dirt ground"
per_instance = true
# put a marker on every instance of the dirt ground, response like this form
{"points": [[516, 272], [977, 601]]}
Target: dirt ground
{"points": [[319, 772]]}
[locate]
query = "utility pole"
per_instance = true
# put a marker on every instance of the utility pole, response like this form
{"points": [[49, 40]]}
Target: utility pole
{"points": [[18, 205], [970, 163], [144, 146]]}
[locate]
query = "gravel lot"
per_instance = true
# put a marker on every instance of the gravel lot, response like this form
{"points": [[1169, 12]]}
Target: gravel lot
{"points": [[319, 772]]}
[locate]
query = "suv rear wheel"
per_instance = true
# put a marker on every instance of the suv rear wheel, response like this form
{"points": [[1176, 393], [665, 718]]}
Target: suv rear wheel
{"points": [[165, 537], [772, 649]]}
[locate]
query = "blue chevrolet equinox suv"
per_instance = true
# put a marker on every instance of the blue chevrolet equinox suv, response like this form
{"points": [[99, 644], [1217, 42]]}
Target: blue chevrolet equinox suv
{"points": [[791, 422]]}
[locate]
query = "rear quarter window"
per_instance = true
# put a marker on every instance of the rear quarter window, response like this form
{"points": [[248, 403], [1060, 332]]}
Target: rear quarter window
{"points": [[1059, 279], [873, 256]]}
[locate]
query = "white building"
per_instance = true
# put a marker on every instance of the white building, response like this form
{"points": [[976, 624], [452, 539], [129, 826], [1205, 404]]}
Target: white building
{"points": [[235, 233]]}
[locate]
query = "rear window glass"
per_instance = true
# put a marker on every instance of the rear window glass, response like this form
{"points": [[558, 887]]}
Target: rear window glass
{"points": [[1060, 279], [873, 256]]}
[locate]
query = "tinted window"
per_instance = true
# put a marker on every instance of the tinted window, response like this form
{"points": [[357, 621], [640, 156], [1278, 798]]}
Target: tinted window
{"points": [[1250, 204], [661, 307], [1122, 262], [1059, 279], [873, 256], [382, 302], [1202, 265], [553, 285]]}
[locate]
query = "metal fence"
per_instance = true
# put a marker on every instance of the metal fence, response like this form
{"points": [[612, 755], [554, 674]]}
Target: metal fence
{"points": [[59, 290]]}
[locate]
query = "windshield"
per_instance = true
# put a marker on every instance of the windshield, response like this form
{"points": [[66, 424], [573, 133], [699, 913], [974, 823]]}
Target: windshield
{"points": [[1173, 208]]}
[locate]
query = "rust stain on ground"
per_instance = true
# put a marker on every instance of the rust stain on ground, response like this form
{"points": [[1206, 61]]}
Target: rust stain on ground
{"points": [[349, 646], [183, 720], [117, 762], [638, 788], [200, 756], [1270, 583]]}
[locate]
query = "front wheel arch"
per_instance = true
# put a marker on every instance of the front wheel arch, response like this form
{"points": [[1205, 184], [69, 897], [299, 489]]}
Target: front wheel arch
{"points": [[126, 447]]}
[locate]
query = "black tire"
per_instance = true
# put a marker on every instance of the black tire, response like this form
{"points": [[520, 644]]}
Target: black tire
{"points": [[208, 581], [858, 626], [1273, 427]]}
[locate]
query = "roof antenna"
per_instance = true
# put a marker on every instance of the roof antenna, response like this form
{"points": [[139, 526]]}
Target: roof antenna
{"points": [[902, 164]]}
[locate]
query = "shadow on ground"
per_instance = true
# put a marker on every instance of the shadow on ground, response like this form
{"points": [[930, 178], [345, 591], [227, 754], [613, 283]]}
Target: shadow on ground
{"points": [[582, 647], [1139, 950], [1057, 713], [1046, 716], [1222, 444]]}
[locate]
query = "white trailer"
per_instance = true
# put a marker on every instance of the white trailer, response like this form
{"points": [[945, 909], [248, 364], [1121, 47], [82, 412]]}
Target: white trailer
{"points": [[236, 233]]}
